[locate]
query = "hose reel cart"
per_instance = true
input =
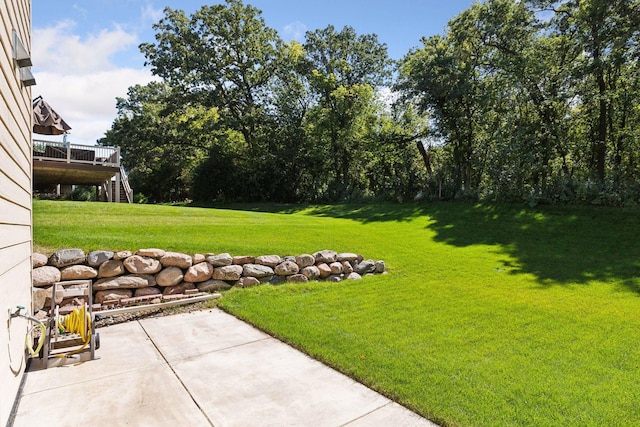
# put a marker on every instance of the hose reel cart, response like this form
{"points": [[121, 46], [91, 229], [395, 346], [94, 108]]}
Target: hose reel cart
{"points": [[70, 328]]}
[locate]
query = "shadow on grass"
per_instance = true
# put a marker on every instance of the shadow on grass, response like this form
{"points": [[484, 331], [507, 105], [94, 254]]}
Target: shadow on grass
{"points": [[280, 208], [362, 212], [557, 244]]}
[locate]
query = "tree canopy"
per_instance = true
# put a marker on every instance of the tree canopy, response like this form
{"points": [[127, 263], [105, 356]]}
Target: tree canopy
{"points": [[535, 101]]}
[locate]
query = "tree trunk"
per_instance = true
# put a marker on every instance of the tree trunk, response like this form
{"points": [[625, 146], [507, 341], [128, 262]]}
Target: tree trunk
{"points": [[601, 143], [425, 157], [600, 146]]}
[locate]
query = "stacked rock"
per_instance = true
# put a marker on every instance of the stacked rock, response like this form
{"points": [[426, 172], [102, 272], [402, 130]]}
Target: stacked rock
{"points": [[122, 275]]}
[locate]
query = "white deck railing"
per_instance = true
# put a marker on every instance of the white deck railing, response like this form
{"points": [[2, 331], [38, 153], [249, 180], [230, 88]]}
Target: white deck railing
{"points": [[76, 153], [125, 184]]}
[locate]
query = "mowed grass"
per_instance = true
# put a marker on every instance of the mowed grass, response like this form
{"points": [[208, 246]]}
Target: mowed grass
{"points": [[488, 315]]}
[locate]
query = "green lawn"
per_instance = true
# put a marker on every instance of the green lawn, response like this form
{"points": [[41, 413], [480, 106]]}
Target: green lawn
{"points": [[488, 316]]}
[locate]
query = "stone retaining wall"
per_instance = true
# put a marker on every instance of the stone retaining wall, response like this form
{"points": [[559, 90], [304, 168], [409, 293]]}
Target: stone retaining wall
{"points": [[124, 275]]}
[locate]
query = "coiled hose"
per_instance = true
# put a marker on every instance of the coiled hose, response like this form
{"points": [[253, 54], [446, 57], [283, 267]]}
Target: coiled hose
{"points": [[76, 322]]}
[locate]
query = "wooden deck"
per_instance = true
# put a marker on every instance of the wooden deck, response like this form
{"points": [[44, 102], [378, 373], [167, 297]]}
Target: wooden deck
{"points": [[73, 164]]}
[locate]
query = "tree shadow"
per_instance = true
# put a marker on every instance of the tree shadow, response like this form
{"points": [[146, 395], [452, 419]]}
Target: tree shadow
{"points": [[372, 212], [559, 245], [361, 212], [280, 208]]}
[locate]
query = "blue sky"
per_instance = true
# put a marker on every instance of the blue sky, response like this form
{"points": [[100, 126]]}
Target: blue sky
{"points": [[85, 52]]}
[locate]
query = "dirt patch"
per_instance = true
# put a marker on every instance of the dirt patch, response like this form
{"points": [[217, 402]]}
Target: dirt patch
{"points": [[102, 321]]}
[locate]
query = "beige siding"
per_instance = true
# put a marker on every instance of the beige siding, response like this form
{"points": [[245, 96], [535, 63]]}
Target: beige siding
{"points": [[15, 200]]}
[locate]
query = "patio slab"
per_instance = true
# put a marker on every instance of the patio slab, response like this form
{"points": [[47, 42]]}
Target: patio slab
{"points": [[204, 368]]}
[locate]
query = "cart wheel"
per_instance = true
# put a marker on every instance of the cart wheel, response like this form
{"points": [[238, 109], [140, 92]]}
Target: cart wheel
{"points": [[97, 341]]}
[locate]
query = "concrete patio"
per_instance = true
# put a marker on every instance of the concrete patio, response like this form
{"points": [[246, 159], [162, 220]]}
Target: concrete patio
{"points": [[205, 368]]}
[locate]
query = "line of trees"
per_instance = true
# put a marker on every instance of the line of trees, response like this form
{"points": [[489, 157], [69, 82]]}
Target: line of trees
{"points": [[534, 101]]}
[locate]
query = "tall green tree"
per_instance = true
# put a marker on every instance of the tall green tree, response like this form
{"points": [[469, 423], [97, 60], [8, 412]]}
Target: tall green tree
{"points": [[604, 30], [442, 79], [161, 143], [223, 56], [344, 70], [534, 100]]}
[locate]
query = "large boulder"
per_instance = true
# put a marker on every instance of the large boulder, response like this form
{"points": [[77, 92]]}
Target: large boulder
{"points": [[45, 276], [178, 289], [365, 267], [325, 270], [243, 259], [247, 282], [213, 286], [198, 258], [78, 272], [347, 256], [131, 281], [305, 260], [347, 268], [111, 268], [380, 267], [176, 259], [40, 295], [39, 260], [145, 292], [297, 278], [336, 267], [121, 255], [112, 295], [256, 270], [199, 273], [268, 260], [228, 272], [311, 272], [287, 268], [137, 264], [220, 260], [325, 256], [95, 258], [65, 257], [354, 276], [151, 253], [170, 276]]}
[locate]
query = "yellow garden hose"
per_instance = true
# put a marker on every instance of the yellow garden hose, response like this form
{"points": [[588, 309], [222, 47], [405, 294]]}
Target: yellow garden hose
{"points": [[76, 322], [38, 324], [27, 340]]}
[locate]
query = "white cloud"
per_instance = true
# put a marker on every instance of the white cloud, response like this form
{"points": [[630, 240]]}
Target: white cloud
{"points": [[295, 31], [149, 13], [87, 102], [82, 10], [58, 49], [78, 78]]}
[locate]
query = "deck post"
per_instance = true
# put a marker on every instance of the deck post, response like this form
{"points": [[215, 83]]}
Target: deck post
{"points": [[117, 190], [107, 187]]}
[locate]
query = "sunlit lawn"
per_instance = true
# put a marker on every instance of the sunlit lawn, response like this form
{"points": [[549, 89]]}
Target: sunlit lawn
{"points": [[488, 316]]}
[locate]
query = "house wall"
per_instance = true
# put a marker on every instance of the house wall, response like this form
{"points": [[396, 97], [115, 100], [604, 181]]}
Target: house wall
{"points": [[15, 201]]}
